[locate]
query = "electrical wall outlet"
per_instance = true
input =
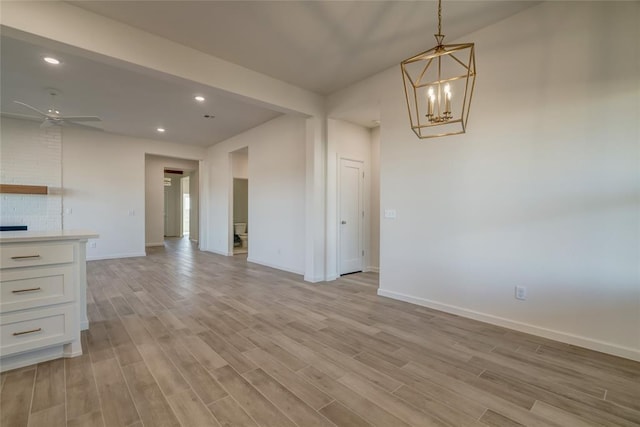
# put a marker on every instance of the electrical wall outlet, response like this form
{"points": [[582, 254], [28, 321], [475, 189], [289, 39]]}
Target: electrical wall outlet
{"points": [[521, 293], [92, 244]]}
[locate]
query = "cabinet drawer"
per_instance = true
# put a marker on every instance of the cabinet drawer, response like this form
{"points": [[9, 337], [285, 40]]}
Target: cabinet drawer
{"points": [[28, 330], [37, 254], [23, 288]]}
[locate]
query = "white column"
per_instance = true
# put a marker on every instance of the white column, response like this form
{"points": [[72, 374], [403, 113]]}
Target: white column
{"points": [[315, 203]]}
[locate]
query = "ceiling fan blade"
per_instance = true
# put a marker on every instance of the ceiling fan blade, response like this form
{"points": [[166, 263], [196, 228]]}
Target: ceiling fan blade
{"points": [[79, 125], [20, 116], [82, 118], [32, 108]]}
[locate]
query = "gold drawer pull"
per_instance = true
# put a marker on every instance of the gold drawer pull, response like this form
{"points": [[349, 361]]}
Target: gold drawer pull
{"points": [[15, 334], [19, 291], [23, 257]]}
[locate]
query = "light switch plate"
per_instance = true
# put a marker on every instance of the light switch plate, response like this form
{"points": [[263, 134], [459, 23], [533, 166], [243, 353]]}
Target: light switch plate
{"points": [[390, 213]]}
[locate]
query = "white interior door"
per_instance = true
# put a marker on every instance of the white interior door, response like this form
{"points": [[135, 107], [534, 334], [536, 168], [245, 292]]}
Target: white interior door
{"points": [[165, 213], [351, 216]]}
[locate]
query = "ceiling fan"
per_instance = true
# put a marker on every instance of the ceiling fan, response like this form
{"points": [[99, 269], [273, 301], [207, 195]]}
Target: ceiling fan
{"points": [[52, 116]]}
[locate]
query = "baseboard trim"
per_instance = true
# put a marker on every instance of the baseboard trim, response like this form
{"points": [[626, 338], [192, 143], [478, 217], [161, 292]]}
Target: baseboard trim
{"points": [[215, 251], [277, 267], [371, 269], [313, 279], [116, 256], [577, 340], [148, 245], [20, 360]]}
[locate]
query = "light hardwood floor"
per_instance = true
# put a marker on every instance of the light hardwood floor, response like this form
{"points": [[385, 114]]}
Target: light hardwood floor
{"points": [[183, 337]]}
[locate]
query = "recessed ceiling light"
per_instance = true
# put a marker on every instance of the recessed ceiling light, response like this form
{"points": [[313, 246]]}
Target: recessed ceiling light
{"points": [[51, 60], [199, 98], [160, 130]]}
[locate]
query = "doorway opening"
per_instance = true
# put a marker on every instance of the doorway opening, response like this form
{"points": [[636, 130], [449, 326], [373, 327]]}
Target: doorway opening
{"points": [[171, 199], [172, 203], [353, 199], [239, 203], [240, 215]]}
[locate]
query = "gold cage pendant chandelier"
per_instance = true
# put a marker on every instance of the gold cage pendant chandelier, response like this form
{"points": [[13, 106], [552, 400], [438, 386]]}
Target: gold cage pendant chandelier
{"points": [[438, 85]]}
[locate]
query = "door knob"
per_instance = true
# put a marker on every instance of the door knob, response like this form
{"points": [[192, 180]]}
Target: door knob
{"points": [[343, 222]]}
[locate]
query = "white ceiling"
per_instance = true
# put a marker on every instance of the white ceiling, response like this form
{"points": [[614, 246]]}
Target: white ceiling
{"points": [[321, 46], [129, 102]]}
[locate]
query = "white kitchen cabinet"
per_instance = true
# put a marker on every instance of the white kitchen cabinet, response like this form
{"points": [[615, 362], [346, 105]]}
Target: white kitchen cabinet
{"points": [[43, 304]]}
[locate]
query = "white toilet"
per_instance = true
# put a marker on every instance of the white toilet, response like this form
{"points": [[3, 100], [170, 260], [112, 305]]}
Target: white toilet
{"points": [[240, 228]]}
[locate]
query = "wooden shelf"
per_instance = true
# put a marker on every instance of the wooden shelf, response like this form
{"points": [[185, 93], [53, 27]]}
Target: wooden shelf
{"points": [[23, 189]]}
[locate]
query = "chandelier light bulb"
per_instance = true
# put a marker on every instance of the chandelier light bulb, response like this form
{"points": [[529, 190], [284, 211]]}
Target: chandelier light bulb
{"points": [[431, 102]]}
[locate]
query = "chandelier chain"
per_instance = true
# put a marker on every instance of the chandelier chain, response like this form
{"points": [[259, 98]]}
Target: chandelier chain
{"points": [[439, 17]]}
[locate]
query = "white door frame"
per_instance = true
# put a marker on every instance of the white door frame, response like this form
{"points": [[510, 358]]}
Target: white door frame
{"points": [[361, 208]]}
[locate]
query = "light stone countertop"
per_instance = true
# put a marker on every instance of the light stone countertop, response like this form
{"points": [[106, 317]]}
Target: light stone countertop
{"points": [[43, 236]]}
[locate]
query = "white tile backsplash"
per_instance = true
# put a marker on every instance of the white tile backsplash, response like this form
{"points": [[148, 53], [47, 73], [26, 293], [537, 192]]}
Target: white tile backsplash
{"points": [[30, 155]]}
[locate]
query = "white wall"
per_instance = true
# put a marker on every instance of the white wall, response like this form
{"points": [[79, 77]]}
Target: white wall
{"points": [[352, 142], [30, 155], [276, 193], [542, 192], [154, 195], [240, 164], [104, 181]]}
